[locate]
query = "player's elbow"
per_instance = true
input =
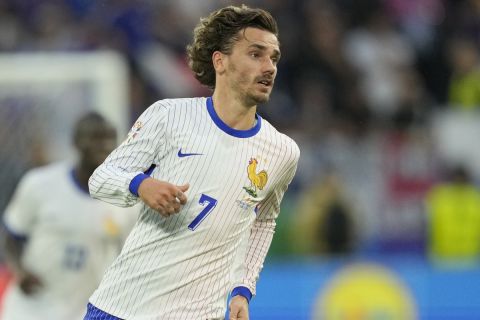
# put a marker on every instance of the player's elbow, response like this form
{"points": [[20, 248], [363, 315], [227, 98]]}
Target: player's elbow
{"points": [[94, 185]]}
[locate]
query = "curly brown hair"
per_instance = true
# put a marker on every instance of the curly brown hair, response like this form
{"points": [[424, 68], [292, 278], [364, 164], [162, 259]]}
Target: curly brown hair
{"points": [[218, 32]]}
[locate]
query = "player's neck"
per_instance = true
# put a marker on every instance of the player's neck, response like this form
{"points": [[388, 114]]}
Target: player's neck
{"points": [[233, 111], [82, 175]]}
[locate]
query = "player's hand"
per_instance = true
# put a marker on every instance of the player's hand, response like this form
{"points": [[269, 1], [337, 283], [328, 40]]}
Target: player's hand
{"points": [[29, 283], [238, 308], [162, 196]]}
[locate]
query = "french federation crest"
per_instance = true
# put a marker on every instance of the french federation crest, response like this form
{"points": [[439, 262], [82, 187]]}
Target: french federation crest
{"points": [[258, 180]]}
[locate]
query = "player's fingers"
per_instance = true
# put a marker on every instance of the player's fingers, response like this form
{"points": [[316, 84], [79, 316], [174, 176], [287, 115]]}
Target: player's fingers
{"points": [[182, 198], [184, 188], [170, 209], [155, 206], [176, 207], [163, 212], [160, 208]]}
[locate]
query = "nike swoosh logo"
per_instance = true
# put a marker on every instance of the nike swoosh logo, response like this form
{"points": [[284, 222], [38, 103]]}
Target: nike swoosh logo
{"points": [[181, 154]]}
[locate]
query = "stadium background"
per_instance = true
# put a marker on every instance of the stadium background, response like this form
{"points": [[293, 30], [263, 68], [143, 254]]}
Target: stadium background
{"points": [[381, 96]]}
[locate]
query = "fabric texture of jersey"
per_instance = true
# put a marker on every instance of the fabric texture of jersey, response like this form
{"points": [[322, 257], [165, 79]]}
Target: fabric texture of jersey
{"points": [[72, 239], [184, 266]]}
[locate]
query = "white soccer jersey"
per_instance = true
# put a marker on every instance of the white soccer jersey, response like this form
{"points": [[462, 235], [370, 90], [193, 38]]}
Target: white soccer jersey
{"points": [[72, 239], [184, 266]]}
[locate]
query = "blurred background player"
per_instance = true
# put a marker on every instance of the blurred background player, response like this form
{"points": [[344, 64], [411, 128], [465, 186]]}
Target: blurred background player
{"points": [[58, 240], [453, 215]]}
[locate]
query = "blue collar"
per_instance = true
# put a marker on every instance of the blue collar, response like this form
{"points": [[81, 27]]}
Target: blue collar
{"points": [[231, 131]]}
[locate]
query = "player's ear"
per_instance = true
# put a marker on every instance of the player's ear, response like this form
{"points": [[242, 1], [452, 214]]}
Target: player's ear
{"points": [[218, 60]]}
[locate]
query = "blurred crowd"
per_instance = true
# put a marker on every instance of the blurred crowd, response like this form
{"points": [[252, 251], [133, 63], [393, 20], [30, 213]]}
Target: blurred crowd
{"points": [[367, 88]]}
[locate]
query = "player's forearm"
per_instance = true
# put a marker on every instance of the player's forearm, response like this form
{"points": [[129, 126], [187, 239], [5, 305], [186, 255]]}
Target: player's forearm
{"points": [[117, 180], [258, 245], [262, 231], [112, 184], [27, 281]]}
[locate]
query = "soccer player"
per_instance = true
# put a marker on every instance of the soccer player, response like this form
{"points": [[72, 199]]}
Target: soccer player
{"points": [[211, 174], [58, 240]]}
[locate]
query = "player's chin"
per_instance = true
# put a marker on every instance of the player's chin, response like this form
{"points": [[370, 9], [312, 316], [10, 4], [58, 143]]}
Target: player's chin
{"points": [[262, 97]]}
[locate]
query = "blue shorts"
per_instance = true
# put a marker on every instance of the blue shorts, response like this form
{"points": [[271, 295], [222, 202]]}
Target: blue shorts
{"points": [[93, 313]]}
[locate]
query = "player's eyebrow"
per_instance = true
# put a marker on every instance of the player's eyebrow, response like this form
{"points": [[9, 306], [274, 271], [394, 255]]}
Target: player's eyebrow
{"points": [[276, 52]]}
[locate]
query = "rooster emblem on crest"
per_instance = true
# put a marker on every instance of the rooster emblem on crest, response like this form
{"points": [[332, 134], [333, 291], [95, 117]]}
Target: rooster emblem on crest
{"points": [[257, 180]]}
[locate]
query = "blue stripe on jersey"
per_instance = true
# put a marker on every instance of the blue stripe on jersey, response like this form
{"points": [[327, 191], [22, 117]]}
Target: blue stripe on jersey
{"points": [[93, 313], [231, 131]]}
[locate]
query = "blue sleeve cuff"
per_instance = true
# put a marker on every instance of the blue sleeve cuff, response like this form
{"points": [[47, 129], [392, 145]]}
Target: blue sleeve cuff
{"points": [[136, 181], [242, 291], [17, 236]]}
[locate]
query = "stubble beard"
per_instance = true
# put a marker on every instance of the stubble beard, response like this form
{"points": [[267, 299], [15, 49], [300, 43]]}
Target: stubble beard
{"points": [[247, 95], [250, 98], [253, 99]]}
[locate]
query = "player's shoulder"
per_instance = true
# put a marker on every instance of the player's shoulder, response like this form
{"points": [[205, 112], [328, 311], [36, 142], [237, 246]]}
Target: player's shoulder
{"points": [[287, 144], [44, 174], [173, 104], [160, 110]]}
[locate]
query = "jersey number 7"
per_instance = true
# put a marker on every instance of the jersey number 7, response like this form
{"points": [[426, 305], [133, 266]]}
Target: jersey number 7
{"points": [[209, 203]]}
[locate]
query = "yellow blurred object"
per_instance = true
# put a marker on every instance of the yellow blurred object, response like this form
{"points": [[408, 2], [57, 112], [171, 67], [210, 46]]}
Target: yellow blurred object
{"points": [[365, 292], [454, 222], [110, 227], [465, 91], [309, 228]]}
